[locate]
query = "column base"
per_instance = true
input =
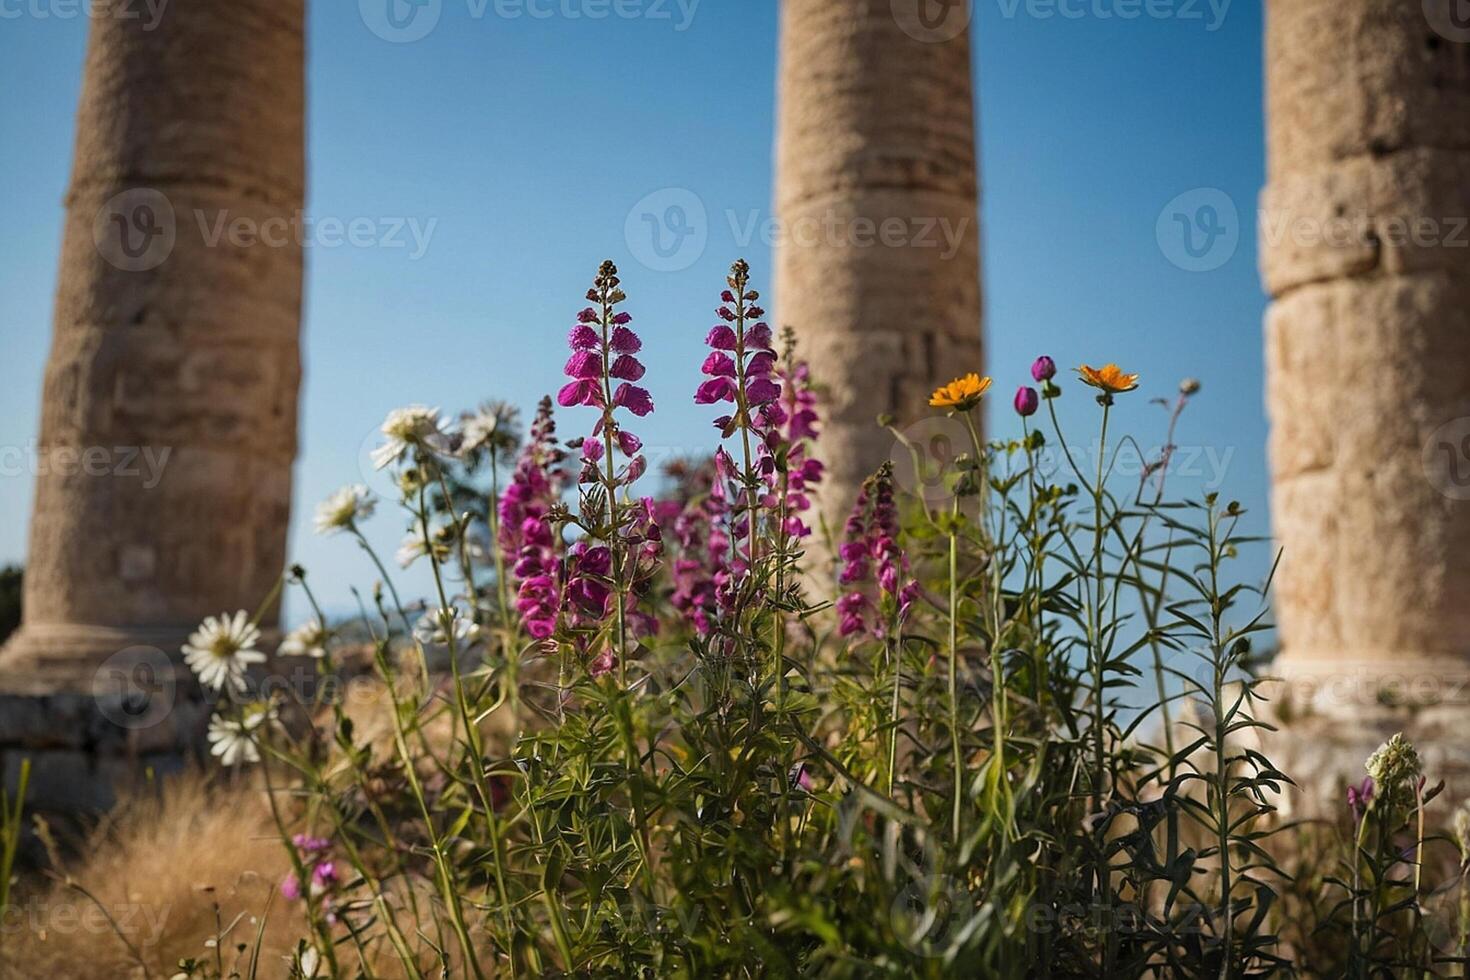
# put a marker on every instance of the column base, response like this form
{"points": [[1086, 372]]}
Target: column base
{"points": [[1333, 712], [47, 658]]}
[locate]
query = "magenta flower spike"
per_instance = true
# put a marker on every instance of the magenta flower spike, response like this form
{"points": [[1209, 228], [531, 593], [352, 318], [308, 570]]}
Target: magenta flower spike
{"points": [[871, 555], [602, 575], [603, 371], [528, 542]]}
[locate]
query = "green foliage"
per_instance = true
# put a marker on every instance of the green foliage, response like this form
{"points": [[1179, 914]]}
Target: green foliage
{"points": [[11, 813], [964, 787], [10, 597]]}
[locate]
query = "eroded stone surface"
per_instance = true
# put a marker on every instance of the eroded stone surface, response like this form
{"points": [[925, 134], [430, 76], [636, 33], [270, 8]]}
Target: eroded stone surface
{"points": [[1365, 251], [85, 749], [169, 405], [878, 264]]}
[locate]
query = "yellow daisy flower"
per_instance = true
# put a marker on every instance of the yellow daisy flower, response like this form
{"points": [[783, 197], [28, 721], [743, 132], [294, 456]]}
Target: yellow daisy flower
{"points": [[961, 394], [1109, 378]]}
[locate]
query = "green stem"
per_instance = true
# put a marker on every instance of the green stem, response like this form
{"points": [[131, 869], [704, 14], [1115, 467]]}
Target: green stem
{"points": [[954, 697], [1094, 624], [473, 739], [894, 656]]}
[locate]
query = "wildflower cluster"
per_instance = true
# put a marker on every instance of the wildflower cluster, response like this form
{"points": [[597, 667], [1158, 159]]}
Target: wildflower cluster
{"points": [[619, 711], [320, 878]]}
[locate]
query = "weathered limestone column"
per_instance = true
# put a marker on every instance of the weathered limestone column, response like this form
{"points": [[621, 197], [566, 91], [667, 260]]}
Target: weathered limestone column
{"points": [[878, 262], [168, 422], [1366, 255]]}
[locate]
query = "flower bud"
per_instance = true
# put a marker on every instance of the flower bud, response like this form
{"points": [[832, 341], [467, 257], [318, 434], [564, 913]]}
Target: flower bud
{"points": [[1043, 368], [1027, 401]]}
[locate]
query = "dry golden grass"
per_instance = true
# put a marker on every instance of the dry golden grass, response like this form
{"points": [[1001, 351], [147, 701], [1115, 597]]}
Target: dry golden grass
{"points": [[158, 868]]}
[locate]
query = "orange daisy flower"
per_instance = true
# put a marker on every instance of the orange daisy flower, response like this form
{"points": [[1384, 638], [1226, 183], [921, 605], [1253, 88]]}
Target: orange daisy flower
{"points": [[1109, 378], [961, 394]]}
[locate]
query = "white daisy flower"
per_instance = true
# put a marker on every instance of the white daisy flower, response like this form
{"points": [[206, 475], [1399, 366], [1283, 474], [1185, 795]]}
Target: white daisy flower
{"points": [[411, 550], [343, 509], [307, 640], [435, 626], [234, 742], [308, 963], [414, 427], [493, 426], [220, 650]]}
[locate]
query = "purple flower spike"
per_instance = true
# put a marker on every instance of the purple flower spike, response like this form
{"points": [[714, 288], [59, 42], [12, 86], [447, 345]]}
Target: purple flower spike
{"points": [[1358, 797], [573, 589], [528, 543], [871, 538]]}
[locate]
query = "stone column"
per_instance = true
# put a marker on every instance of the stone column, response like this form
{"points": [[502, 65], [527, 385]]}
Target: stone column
{"points": [[878, 263], [168, 422], [1366, 255]]}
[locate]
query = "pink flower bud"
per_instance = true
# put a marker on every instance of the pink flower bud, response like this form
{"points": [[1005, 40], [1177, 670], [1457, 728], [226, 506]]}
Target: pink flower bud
{"points": [[1026, 401]]}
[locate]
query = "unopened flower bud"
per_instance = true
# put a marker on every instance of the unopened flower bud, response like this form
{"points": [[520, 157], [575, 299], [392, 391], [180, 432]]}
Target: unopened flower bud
{"points": [[1027, 401], [1043, 368]]}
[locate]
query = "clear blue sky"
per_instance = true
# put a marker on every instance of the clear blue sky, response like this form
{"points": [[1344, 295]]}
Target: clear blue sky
{"points": [[527, 141]]}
